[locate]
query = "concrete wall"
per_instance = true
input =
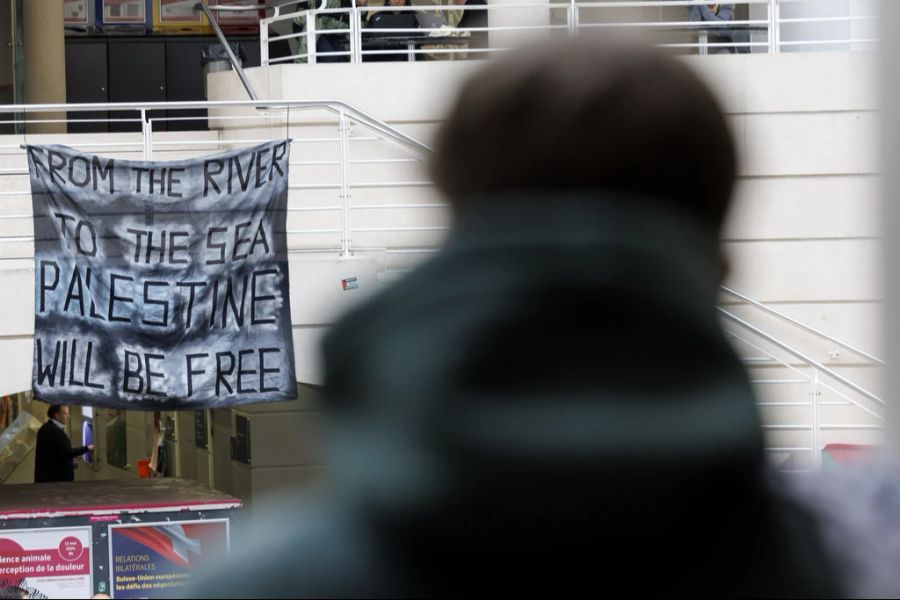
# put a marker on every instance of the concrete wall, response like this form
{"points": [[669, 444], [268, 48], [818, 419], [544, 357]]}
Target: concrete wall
{"points": [[826, 30], [286, 448], [803, 233]]}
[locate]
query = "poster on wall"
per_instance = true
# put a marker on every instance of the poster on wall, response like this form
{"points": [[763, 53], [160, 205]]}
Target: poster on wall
{"points": [[154, 558], [161, 285], [47, 563], [124, 11], [77, 12], [179, 10]]}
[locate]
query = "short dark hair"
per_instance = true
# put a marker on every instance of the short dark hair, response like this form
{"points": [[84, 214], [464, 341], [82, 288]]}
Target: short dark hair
{"points": [[53, 410], [592, 112]]}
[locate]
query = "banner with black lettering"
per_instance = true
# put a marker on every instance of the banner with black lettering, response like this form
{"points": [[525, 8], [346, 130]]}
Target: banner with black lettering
{"points": [[161, 285]]}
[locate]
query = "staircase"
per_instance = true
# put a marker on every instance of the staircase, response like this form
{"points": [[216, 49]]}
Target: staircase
{"points": [[813, 389]]}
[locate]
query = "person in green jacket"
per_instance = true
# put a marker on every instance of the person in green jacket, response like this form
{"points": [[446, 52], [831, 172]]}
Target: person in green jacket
{"points": [[549, 405]]}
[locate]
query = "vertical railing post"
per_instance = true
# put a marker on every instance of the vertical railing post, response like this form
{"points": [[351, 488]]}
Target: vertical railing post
{"points": [[311, 36], [359, 34], [577, 18], [774, 26], [147, 134], [344, 137], [815, 392], [354, 31], [778, 25], [263, 44], [572, 18], [235, 63], [264, 37]]}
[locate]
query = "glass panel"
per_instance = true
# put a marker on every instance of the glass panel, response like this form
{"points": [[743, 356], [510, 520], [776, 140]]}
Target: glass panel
{"points": [[116, 441], [16, 443]]}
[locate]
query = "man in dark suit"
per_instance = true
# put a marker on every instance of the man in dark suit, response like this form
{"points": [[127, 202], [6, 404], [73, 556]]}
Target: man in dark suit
{"points": [[54, 454]]}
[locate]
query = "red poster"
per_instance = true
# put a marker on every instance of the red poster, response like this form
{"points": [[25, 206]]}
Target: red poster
{"points": [[48, 563]]}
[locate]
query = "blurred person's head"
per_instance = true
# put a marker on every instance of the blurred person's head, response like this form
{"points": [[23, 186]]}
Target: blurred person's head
{"points": [[590, 113], [399, 2], [13, 591], [590, 178]]}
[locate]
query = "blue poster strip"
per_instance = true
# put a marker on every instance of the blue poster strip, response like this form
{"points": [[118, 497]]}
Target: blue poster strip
{"points": [[155, 559]]}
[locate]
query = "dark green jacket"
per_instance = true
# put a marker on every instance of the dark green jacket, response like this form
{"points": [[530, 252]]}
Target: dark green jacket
{"points": [[550, 405], [552, 401]]}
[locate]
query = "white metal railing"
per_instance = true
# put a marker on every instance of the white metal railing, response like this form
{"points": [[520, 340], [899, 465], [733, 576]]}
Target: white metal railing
{"points": [[742, 299], [833, 401], [765, 26], [330, 225]]}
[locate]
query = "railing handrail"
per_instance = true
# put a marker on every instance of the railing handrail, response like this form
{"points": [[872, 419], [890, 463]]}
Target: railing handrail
{"points": [[255, 7], [800, 324], [235, 63], [770, 24], [804, 357], [663, 3], [336, 106], [807, 378]]}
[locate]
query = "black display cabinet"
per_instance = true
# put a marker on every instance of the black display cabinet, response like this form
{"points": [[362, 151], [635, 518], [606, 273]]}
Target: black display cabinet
{"points": [[140, 69]]}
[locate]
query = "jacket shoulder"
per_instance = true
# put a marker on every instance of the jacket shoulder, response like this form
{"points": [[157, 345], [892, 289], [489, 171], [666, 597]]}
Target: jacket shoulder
{"points": [[51, 430]]}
